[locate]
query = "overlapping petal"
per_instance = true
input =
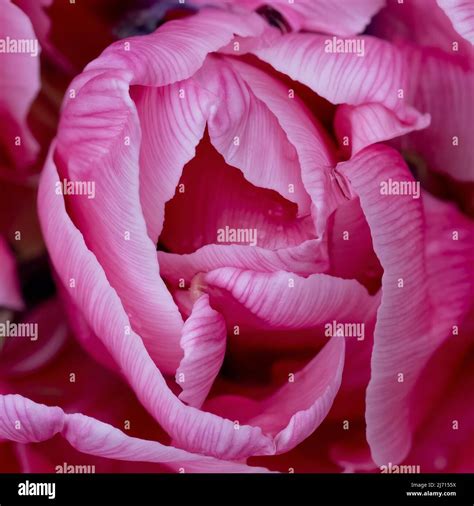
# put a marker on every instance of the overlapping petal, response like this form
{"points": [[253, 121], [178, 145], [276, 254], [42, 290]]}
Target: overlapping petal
{"points": [[402, 339], [25, 421], [204, 343], [342, 77]]}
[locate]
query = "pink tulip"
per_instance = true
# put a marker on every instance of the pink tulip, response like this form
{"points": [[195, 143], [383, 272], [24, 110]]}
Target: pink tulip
{"points": [[212, 231]]}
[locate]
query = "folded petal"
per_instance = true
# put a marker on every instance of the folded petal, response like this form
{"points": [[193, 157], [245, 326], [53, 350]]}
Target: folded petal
{"points": [[305, 259], [237, 118], [203, 342], [316, 154], [461, 14], [10, 296], [294, 410], [346, 78], [220, 199], [194, 430], [402, 342], [293, 415], [371, 123], [25, 421], [19, 85], [283, 300], [101, 125]]}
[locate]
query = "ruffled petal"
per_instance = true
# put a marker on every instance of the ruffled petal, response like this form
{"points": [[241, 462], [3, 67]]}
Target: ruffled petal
{"points": [[402, 342], [25, 421], [305, 259], [237, 119], [227, 209], [316, 154], [371, 123], [461, 14], [407, 22], [284, 300], [203, 342], [10, 296], [345, 78], [194, 430], [294, 410], [100, 126]]}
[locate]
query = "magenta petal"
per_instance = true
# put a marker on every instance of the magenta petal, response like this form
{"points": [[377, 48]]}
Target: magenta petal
{"points": [[10, 296], [25, 421], [194, 430], [203, 342], [461, 14], [19, 85], [402, 340]]}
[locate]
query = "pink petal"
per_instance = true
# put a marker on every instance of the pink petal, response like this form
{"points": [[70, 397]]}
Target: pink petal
{"points": [[334, 17], [402, 340], [172, 125], [25, 421], [329, 16], [203, 342], [371, 123], [102, 123], [350, 246], [218, 196], [461, 14], [283, 300], [195, 430], [407, 22], [297, 409], [305, 259], [450, 242], [19, 85], [445, 145], [10, 296], [345, 78], [314, 149], [237, 113]]}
